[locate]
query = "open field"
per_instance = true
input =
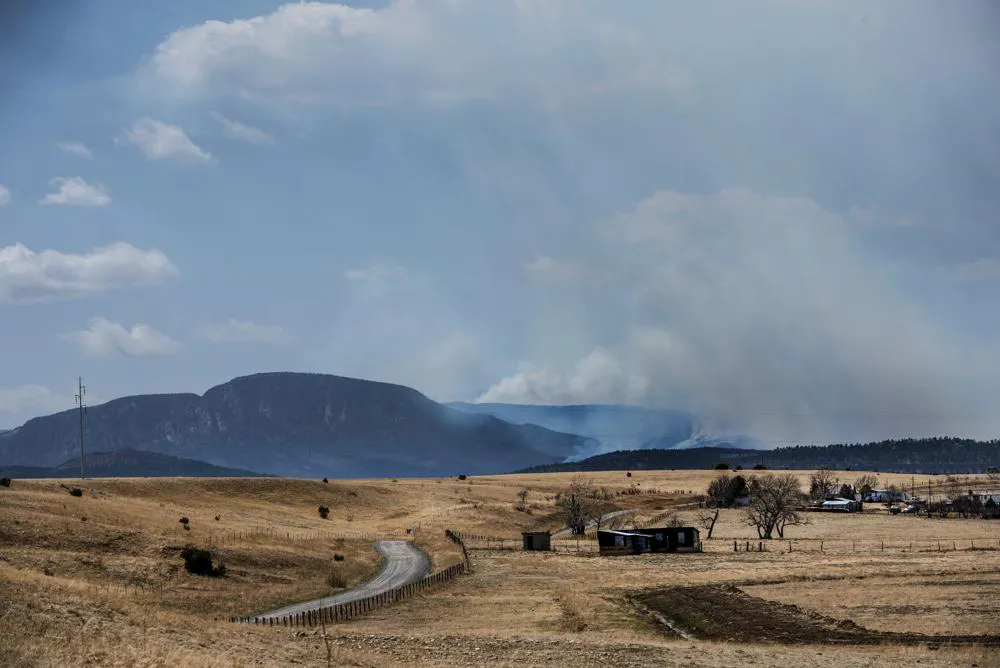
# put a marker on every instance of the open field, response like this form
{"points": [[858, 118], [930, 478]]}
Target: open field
{"points": [[111, 590]]}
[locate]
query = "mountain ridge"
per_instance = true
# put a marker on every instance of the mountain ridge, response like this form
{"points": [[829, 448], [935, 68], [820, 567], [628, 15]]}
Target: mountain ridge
{"points": [[295, 424]]}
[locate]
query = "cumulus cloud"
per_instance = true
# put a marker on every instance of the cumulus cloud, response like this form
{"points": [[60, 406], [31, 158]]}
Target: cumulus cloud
{"points": [[241, 132], [74, 191], [243, 331], [757, 311], [161, 141], [28, 276], [428, 52], [75, 147], [4, 196], [104, 338]]}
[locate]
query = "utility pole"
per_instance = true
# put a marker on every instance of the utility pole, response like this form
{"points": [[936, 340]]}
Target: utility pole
{"points": [[81, 393]]}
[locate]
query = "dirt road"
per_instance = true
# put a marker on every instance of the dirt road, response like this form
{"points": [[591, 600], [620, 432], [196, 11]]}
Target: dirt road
{"points": [[404, 563]]}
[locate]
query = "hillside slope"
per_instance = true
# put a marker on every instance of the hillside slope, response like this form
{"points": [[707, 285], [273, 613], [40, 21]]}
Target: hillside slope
{"points": [[928, 455], [296, 424], [127, 464], [611, 426]]}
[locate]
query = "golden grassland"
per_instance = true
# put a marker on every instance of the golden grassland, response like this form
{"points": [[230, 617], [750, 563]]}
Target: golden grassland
{"points": [[111, 589]]}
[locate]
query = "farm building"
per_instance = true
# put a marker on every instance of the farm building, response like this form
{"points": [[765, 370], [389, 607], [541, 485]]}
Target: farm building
{"points": [[622, 542], [840, 505], [887, 495], [637, 541], [537, 540], [983, 497], [673, 539]]}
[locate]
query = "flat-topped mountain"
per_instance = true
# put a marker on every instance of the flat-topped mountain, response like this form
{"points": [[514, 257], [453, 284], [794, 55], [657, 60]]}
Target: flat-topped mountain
{"points": [[296, 424]]}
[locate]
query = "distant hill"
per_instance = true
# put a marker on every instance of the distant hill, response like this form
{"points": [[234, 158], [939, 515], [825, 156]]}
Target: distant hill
{"points": [[611, 427], [928, 455], [127, 464], [296, 424]]}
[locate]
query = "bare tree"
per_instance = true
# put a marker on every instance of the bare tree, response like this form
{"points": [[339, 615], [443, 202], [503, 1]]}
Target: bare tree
{"points": [[993, 473], [773, 503], [522, 500], [866, 484], [706, 519], [621, 521], [581, 506], [822, 483]]}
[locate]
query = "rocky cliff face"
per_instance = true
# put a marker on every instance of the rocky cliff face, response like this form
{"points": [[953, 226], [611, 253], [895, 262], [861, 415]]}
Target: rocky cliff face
{"points": [[296, 424]]}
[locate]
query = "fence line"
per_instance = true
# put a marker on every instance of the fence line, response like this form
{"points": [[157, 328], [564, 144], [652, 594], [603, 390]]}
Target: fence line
{"points": [[351, 609], [845, 546], [219, 539]]}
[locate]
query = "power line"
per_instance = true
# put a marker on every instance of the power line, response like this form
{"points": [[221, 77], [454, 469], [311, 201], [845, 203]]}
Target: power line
{"points": [[80, 400]]}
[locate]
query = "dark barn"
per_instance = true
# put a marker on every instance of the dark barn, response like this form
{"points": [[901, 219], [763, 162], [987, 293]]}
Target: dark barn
{"points": [[537, 540], [623, 542]]}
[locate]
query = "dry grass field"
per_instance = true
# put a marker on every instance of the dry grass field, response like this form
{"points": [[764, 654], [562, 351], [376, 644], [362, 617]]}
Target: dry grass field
{"points": [[97, 579]]}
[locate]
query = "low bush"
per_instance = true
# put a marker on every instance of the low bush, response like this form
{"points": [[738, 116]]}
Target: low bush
{"points": [[76, 491], [338, 557], [184, 521], [324, 512], [336, 580], [199, 562], [4, 482]]}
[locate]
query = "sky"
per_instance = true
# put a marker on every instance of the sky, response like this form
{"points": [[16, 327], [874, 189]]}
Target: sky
{"points": [[780, 215]]}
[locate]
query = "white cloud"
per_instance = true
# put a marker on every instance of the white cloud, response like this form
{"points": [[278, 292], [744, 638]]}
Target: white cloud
{"points": [[104, 338], [74, 191], [243, 331], [74, 147], [4, 196], [431, 52], [241, 132], [546, 268], [161, 141], [380, 272], [32, 400], [28, 276]]}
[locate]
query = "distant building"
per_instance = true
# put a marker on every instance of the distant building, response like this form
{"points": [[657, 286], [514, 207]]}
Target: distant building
{"points": [[841, 505], [622, 542], [537, 540], [638, 541], [887, 495], [983, 497]]}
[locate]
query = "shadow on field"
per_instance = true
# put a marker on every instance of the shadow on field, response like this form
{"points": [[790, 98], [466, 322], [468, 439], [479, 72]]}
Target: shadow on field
{"points": [[726, 613]]}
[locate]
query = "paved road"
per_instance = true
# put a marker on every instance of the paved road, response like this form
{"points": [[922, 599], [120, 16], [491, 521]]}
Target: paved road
{"points": [[404, 563]]}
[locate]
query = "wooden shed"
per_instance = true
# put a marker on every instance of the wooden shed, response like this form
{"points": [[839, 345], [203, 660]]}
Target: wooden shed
{"points": [[673, 539], [537, 540], [622, 542]]}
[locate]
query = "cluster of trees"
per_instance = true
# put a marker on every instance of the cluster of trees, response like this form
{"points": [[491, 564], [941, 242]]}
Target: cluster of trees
{"points": [[772, 503]]}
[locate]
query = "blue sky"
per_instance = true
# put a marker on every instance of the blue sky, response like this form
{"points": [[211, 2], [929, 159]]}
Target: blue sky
{"points": [[779, 215]]}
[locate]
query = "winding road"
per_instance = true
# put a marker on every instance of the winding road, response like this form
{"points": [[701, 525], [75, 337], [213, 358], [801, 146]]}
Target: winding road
{"points": [[404, 563]]}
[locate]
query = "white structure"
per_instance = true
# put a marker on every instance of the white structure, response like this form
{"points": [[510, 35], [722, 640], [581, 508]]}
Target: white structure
{"points": [[841, 505], [887, 495]]}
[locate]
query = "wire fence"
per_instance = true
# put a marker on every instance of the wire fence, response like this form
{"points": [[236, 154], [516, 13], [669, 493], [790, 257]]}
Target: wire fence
{"points": [[349, 610], [240, 535]]}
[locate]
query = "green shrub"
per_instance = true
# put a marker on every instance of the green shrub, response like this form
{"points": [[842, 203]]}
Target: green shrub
{"points": [[338, 557], [76, 491], [4, 482], [324, 512], [722, 466]]}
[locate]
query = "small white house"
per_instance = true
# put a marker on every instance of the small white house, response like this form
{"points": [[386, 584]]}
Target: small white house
{"points": [[887, 495], [983, 497]]}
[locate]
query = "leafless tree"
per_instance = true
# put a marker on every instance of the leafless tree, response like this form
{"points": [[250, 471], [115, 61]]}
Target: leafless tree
{"points": [[822, 483], [993, 473], [581, 506], [522, 500], [773, 503], [622, 521], [866, 483], [706, 519]]}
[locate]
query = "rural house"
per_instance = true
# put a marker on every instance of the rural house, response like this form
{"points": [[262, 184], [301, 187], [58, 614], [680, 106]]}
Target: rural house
{"points": [[840, 505], [622, 542], [673, 539], [637, 541], [887, 495]]}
